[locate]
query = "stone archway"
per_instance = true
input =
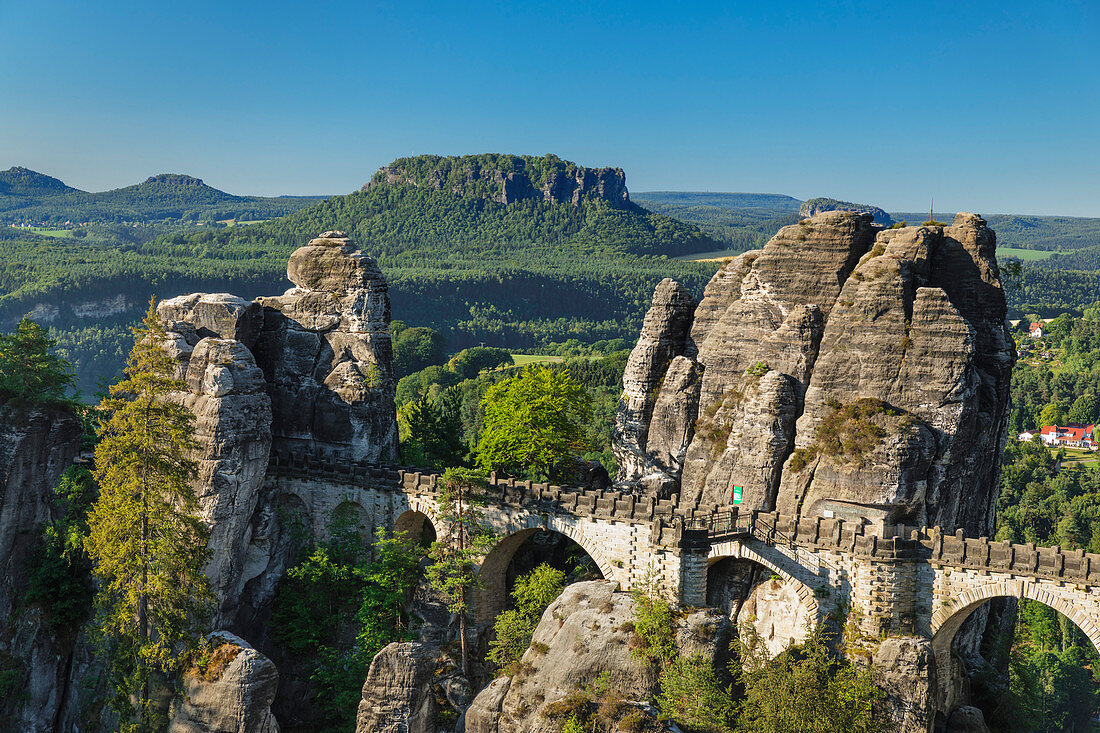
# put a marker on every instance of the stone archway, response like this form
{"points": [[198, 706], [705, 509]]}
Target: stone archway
{"points": [[492, 595], [352, 516], [782, 609], [418, 526], [949, 618]]}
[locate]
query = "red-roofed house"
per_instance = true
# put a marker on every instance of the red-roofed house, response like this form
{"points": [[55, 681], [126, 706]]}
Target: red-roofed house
{"points": [[1035, 330], [1068, 436]]}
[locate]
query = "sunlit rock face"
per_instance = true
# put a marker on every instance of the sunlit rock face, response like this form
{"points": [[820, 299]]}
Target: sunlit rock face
{"points": [[326, 353], [832, 311]]}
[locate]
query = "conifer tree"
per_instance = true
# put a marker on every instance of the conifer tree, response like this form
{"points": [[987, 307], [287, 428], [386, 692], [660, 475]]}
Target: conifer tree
{"points": [[28, 371], [148, 547], [463, 542]]}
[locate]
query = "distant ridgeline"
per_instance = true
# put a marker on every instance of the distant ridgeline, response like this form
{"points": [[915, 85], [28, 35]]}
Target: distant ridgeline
{"points": [[821, 204], [30, 197], [568, 256], [509, 250]]}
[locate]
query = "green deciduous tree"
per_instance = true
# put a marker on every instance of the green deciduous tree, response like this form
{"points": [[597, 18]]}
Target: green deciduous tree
{"points": [[532, 594], [463, 542], [60, 580], [1051, 415], [533, 422], [692, 695], [29, 372], [805, 688], [416, 348], [148, 547], [336, 592]]}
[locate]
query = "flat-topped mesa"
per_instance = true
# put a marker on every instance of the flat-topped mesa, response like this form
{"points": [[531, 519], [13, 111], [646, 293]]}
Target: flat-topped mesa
{"points": [[846, 370], [507, 178], [326, 353]]}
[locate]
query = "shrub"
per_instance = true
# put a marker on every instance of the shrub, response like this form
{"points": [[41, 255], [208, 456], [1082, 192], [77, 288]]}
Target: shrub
{"points": [[847, 434], [653, 636], [533, 593], [692, 696]]}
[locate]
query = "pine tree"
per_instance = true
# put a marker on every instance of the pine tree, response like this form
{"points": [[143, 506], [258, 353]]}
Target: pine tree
{"points": [[148, 547], [28, 371], [464, 540]]}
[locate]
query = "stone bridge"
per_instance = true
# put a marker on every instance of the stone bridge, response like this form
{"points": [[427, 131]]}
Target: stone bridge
{"points": [[876, 580]]}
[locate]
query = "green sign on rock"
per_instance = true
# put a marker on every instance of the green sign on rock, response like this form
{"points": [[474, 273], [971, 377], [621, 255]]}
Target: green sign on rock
{"points": [[736, 494]]}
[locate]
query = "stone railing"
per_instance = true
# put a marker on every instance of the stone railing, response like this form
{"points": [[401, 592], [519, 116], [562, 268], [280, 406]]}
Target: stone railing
{"points": [[604, 504], [696, 527], [957, 550]]}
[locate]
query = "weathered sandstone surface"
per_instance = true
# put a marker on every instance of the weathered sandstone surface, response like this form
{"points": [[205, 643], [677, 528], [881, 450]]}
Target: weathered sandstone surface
{"points": [[326, 353], [833, 310], [398, 694], [36, 445], [586, 632], [235, 697]]}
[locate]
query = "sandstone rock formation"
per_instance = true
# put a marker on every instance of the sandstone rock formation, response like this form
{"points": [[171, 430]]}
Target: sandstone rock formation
{"points": [[325, 351], [233, 695], [664, 337], [36, 445], [584, 633], [227, 394], [831, 312], [398, 694], [509, 179]]}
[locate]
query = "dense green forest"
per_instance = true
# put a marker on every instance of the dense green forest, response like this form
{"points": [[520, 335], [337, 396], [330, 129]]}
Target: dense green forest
{"points": [[515, 275], [31, 197], [1051, 498]]}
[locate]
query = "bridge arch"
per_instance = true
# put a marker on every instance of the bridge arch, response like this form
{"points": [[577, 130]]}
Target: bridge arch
{"points": [[776, 562], [418, 525], [491, 597], [786, 617], [949, 618]]}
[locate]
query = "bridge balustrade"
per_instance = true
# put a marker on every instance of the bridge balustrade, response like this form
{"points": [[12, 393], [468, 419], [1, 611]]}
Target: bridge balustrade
{"points": [[678, 524]]}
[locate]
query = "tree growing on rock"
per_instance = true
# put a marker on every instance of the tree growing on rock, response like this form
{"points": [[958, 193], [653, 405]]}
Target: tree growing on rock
{"points": [[804, 688], [29, 372], [463, 542], [533, 423], [148, 548], [513, 628]]}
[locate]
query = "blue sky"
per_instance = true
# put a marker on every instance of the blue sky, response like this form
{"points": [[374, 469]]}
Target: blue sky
{"points": [[992, 107]]}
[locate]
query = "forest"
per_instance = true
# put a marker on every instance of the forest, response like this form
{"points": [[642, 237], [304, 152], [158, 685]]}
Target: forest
{"points": [[516, 276]]}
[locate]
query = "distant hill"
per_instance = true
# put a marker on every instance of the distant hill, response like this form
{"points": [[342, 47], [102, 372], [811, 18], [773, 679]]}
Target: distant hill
{"points": [[737, 201], [30, 197], [817, 205], [24, 182], [514, 274], [1048, 233]]}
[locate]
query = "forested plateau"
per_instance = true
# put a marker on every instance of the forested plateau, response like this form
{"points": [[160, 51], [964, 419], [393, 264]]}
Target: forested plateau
{"points": [[508, 251]]}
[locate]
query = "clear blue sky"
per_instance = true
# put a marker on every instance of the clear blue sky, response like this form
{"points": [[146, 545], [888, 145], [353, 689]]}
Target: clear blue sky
{"points": [[988, 106]]}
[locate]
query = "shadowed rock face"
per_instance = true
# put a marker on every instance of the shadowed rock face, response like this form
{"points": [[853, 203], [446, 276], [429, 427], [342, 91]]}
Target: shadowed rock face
{"points": [[831, 311], [325, 350], [664, 337]]}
